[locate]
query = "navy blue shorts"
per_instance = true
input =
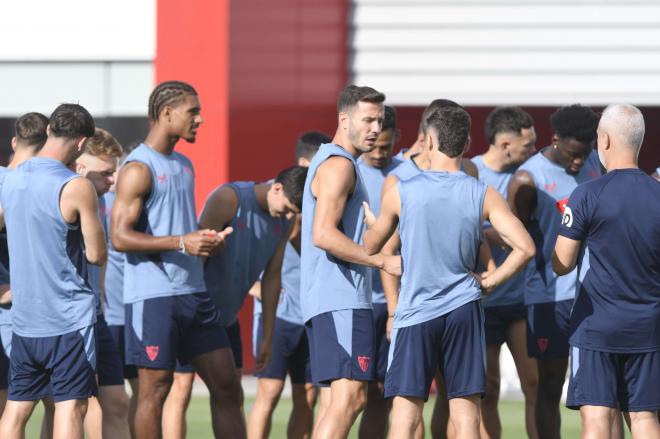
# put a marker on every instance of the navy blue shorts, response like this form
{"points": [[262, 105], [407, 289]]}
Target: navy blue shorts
{"points": [[234, 334], [289, 352], [382, 343], [162, 330], [117, 334], [630, 382], [497, 320], [341, 345], [61, 366], [109, 365], [453, 343], [5, 338], [548, 329]]}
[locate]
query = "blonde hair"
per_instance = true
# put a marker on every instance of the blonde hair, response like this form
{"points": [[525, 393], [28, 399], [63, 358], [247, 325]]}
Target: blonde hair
{"points": [[103, 144]]}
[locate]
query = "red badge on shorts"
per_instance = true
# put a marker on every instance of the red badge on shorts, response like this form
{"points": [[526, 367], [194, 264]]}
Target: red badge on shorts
{"points": [[152, 352], [363, 362], [543, 344]]}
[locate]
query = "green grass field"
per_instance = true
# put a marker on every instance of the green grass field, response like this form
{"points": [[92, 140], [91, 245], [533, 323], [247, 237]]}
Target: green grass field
{"points": [[199, 420]]}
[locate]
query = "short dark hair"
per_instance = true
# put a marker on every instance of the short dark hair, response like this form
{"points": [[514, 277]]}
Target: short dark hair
{"points": [[452, 125], [507, 120], [389, 120], [308, 144], [293, 182], [168, 93], [352, 94], [30, 130], [71, 121], [575, 121], [435, 104]]}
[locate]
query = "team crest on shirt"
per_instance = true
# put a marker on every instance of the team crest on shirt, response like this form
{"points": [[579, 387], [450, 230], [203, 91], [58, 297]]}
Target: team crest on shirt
{"points": [[561, 205], [593, 173], [550, 187], [152, 352], [567, 219], [363, 362], [542, 342], [161, 178], [277, 229]]}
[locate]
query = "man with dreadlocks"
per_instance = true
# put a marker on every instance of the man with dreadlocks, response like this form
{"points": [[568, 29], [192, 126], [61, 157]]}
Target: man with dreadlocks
{"points": [[169, 314]]}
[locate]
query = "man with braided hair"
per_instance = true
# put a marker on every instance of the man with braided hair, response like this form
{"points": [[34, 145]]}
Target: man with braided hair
{"points": [[169, 314]]}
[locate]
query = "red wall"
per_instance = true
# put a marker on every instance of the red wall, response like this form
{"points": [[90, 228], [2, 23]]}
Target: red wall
{"points": [[287, 66], [408, 118], [192, 45], [266, 71]]}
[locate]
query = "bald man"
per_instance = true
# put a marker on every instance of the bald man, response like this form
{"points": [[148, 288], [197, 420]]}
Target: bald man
{"points": [[615, 323]]}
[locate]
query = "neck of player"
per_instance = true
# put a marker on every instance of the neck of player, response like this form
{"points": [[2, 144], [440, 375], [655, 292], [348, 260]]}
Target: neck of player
{"points": [[261, 194], [621, 162], [443, 163], [345, 143], [159, 140], [495, 158]]}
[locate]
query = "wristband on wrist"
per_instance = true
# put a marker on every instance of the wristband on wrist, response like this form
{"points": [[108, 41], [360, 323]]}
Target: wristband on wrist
{"points": [[182, 245]]}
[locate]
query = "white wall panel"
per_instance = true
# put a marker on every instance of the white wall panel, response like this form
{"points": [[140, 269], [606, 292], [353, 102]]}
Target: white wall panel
{"points": [[529, 52], [76, 30]]}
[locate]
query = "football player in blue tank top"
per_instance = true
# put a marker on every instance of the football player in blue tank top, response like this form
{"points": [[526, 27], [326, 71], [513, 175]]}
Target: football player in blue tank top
{"points": [[615, 323], [53, 349], [29, 136], [438, 319], [416, 161], [259, 216], [109, 416], [537, 194], [290, 349], [169, 314], [335, 278], [374, 167], [511, 136]]}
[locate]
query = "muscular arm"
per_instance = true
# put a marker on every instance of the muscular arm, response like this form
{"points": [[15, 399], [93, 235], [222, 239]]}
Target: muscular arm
{"points": [[494, 239], [78, 200], [271, 285], [332, 186], [219, 209], [513, 233], [565, 254], [522, 196], [391, 282], [133, 188]]}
